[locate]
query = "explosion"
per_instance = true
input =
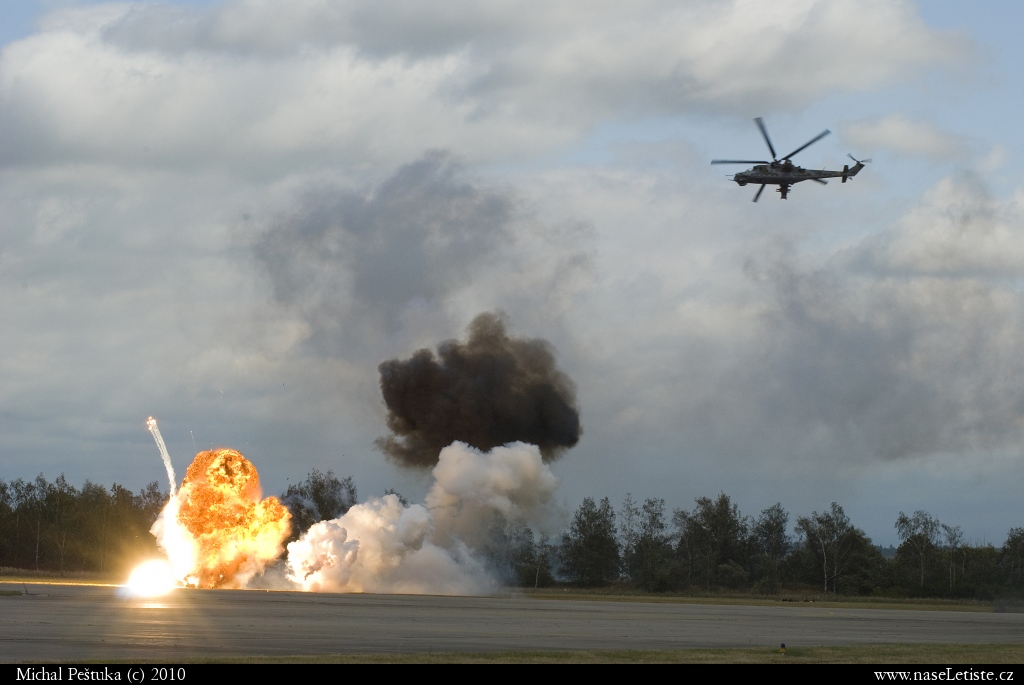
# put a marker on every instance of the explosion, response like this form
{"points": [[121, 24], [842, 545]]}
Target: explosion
{"points": [[493, 392], [216, 530], [433, 548], [151, 578]]}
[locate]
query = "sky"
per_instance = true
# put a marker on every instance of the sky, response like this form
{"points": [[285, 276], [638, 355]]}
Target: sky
{"points": [[228, 214]]}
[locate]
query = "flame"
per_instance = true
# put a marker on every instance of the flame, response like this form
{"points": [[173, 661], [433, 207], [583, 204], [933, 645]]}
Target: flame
{"points": [[216, 530], [152, 578]]}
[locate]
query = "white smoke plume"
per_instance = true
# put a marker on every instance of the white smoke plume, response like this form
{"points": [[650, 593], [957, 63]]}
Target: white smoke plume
{"points": [[155, 430], [433, 548], [181, 548]]}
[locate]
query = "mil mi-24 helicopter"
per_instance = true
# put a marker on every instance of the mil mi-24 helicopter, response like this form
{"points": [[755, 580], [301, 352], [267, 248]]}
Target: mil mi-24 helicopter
{"points": [[782, 172]]}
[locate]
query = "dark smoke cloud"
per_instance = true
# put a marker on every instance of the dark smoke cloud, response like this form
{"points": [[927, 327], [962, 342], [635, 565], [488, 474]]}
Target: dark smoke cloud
{"points": [[354, 261], [489, 391]]}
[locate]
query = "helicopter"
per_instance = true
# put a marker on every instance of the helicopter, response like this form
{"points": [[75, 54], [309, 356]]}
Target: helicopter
{"points": [[782, 172]]}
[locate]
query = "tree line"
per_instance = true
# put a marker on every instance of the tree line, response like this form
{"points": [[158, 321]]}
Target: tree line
{"points": [[54, 526], [713, 547]]}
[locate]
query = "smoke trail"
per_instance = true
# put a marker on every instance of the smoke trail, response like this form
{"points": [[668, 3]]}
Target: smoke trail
{"points": [[491, 390], [433, 548], [155, 430]]}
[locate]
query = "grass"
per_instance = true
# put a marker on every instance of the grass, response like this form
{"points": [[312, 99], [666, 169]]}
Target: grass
{"points": [[20, 575], [863, 654], [781, 599], [607, 594]]}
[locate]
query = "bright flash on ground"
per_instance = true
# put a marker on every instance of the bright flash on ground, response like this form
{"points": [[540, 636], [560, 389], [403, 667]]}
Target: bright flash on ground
{"points": [[152, 579]]}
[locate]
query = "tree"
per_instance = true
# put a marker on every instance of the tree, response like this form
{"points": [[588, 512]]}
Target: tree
{"points": [[95, 507], [954, 538], [832, 539], [1012, 556], [70, 529], [522, 553], [629, 515], [7, 517], [686, 549], [390, 491], [321, 497], [35, 503], [590, 552], [150, 502], [980, 572], [653, 551], [511, 552], [771, 544], [515, 555], [920, 535], [713, 539], [864, 570], [61, 501], [543, 576], [131, 517]]}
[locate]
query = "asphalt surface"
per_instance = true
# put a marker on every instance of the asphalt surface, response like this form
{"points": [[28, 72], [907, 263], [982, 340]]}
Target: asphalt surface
{"points": [[84, 623]]}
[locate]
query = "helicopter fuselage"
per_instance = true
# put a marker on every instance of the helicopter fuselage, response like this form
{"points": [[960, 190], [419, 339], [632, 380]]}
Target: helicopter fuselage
{"points": [[788, 174]]}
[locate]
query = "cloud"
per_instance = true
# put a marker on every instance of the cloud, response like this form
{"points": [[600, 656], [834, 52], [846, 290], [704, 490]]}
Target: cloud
{"points": [[410, 256], [149, 152], [248, 85], [354, 261], [906, 344], [914, 138], [994, 159], [744, 351], [958, 230]]}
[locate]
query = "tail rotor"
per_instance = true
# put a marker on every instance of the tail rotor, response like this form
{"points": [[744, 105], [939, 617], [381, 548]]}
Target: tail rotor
{"points": [[850, 173]]}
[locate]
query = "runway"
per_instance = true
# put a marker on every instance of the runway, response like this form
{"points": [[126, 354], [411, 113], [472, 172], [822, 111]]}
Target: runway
{"points": [[86, 623]]}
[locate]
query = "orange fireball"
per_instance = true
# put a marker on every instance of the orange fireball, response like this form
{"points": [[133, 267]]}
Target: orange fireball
{"points": [[235, 531]]}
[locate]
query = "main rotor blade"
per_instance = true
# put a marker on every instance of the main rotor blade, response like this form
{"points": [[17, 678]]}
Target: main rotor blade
{"points": [[764, 132], [759, 192], [818, 180], [739, 161], [812, 141]]}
